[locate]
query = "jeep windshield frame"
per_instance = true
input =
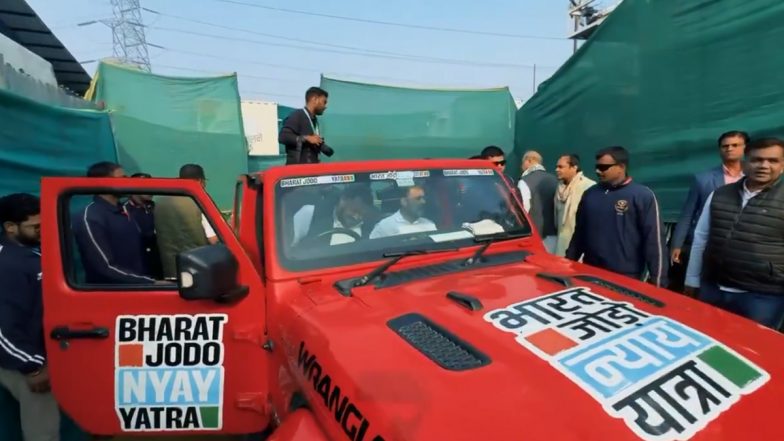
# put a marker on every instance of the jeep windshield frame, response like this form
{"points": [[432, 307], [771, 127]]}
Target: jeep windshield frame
{"points": [[307, 217]]}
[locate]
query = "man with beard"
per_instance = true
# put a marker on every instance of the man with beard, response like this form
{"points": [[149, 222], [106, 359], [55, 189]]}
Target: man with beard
{"points": [[352, 211], [409, 218], [567, 198], [109, 241], [23, 370], [301, 133], [737, 259]]}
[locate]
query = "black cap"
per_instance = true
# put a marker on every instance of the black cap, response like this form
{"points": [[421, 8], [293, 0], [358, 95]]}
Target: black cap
{"points": [[192, 171]]}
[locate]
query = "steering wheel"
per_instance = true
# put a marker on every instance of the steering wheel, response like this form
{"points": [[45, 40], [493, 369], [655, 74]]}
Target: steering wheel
{"points": [[338, 230]]}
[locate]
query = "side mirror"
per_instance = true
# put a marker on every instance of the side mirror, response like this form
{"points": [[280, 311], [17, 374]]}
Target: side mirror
{"points": [[209, 273]]}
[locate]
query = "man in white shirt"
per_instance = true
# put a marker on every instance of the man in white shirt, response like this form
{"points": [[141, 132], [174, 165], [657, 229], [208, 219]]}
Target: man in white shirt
{"points": [[352, 211], [408, 219], [737, 258]]}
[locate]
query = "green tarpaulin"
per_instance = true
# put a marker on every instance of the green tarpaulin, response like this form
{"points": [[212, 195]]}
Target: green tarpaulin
{"points": [[41, 140], [664, 78], [261, 163], [162, 123], [366, 121]]}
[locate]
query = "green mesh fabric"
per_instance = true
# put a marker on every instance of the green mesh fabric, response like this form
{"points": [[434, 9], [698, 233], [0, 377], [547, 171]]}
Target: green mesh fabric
{"points": [[42, 140], [664, 79], [365, 121], [261, 163], [162, 123]]}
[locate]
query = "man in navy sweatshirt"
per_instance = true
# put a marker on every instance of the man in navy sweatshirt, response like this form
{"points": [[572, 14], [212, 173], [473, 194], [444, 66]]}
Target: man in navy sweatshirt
{"points": [[618, 226], [23, 370]]}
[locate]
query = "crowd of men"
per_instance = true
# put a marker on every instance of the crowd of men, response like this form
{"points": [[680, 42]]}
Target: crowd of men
{"points": [[120, 240], [727, 248]]}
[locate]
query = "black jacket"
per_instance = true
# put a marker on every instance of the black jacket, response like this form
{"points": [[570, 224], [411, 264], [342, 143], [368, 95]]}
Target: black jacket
{"points": [[296, 126], [746, 244], [619, 229], [110, 244], [21, 309]]}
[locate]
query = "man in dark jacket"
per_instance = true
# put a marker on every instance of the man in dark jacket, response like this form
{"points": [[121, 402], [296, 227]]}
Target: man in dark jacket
{"points": [[541, 188], [731, 148], [618, 226], [301, 133], [23, 370], [109, 241], [737, 258], [140, 208]]}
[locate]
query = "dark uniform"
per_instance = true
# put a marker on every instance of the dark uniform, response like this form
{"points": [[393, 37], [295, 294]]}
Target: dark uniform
{"points": [[21, 310], [145, 220], [22, 351], [110, 244], [296, 126], [618, 228]]}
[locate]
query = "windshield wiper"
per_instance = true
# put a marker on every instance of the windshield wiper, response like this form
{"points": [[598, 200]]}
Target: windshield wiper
{"points": [[489, 239], [393, 259]]}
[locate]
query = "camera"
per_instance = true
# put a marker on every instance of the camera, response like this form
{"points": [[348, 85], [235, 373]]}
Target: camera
{"points": [[326, 150]]}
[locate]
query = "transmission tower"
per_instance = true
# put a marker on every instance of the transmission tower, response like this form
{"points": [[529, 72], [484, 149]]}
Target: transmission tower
{"points": [[128, 38], [587, 15]]}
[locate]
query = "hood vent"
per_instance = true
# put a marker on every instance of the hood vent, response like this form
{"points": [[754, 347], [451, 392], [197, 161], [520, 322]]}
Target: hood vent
{"points": [[437, 344], [622, 290]]}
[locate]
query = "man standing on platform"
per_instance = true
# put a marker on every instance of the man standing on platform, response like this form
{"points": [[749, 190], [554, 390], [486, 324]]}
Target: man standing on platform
{"points": [[301, 133]]}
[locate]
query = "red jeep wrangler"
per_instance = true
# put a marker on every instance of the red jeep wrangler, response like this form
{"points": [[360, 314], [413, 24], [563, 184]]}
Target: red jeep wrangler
{"points": [[395, 300]]}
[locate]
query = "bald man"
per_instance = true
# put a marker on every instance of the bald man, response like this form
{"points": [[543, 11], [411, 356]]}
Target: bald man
{"points": [[541, 186]]}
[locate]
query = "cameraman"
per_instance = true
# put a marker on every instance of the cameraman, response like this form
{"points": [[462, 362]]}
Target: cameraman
{"points": [[300, 133]]}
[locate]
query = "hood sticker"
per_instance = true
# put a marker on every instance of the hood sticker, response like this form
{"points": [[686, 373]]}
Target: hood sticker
{"points": [[169, 372], [666, 380]]}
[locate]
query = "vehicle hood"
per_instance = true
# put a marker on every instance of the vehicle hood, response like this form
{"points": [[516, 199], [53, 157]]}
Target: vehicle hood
{"points": [[585, 363]]}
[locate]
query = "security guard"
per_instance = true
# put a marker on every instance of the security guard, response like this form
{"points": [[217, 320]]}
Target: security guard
{"points": [[109, 241], [23, 370]]}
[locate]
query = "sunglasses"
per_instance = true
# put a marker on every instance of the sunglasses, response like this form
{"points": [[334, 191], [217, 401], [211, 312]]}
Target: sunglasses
{"points": [[500, 163], [604, 167]]}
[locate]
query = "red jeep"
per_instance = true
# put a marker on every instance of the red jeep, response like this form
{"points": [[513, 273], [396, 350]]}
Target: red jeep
{"points": [[395, 300]]}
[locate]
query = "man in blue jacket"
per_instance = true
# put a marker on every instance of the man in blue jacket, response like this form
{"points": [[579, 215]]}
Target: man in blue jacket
{"points": [[732, 146], [618, 226], [109, 241], [23, 370]]}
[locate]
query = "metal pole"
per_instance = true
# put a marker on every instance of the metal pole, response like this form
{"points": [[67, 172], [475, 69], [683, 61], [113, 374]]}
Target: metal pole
{"points": [[534, 85]]}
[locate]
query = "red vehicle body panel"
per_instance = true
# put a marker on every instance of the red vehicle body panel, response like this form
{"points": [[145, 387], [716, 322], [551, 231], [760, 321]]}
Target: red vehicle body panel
{"points": [[83, 372], [362, 380]]}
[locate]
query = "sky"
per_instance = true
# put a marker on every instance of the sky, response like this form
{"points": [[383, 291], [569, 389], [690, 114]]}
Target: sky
{"points": [[279, 54]]}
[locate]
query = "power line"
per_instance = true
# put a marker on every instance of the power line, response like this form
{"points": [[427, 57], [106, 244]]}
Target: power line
{"points": [[390, 23], [300, 40], [213, 72], [305, 48]]}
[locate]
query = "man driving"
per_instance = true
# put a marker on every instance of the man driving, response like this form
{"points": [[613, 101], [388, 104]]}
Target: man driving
{"points": [[352, 211], [408, 219]]}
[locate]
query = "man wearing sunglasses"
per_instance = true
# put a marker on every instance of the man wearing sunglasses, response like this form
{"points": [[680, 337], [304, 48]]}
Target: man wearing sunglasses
{"points": [[618, 225], [497, 156]]}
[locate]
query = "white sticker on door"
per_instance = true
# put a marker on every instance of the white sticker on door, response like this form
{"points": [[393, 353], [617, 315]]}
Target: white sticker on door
{"points": [[169, 372]]}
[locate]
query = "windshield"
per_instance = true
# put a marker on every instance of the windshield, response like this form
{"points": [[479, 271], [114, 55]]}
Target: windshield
{"points": [[333, 220]]}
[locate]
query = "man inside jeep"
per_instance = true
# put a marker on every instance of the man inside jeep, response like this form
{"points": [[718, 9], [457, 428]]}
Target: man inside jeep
{"points": [[336, 220], [409, 218]]}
